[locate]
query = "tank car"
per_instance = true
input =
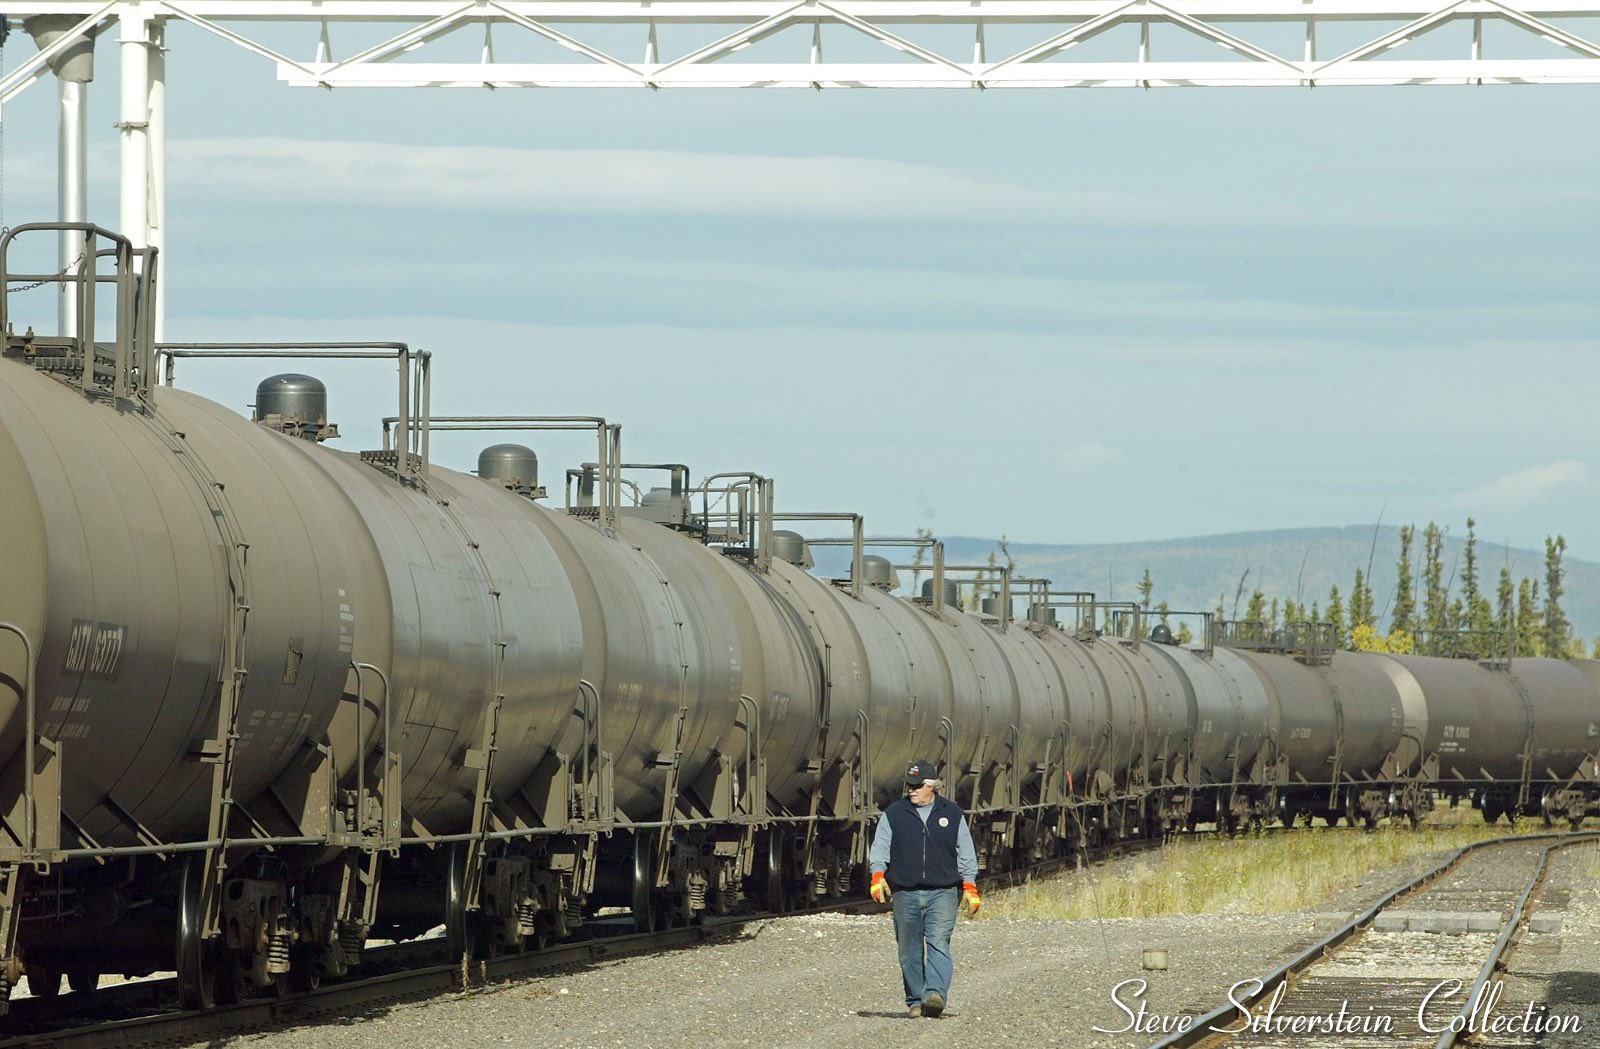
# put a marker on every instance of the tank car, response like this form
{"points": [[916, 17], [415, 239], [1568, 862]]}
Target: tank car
{"points": [[266, 700]]}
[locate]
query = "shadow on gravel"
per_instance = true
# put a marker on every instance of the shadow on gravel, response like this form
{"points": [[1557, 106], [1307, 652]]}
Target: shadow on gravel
{"points": [[879, 1015], [1573, 988]]}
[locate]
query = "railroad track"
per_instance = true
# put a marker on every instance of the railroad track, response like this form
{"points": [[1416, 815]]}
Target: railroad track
{"points": [[146, 1013], [1416, 969]]}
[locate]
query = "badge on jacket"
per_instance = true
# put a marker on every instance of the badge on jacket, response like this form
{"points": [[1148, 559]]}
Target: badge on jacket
{"points": [[944, 821]]}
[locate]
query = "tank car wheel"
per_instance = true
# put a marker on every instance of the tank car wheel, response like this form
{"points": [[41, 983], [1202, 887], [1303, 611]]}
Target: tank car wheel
{"points": [[773, 887], [1491, 815], [83, 981], [197, 957], [646, 909], [43, 981], [1290, 817], [463, 933]]}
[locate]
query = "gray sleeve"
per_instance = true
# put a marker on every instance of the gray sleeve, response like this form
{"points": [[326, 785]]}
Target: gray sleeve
{"points": [[878, 855], [966, 854]]}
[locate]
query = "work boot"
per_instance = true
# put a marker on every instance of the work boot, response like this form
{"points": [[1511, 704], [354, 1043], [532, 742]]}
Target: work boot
{"points": [[914, 1012], [933, 1005]]}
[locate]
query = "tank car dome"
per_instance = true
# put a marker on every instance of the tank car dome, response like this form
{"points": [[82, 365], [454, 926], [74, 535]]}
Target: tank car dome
{"points": [[293, 398], [511, 465], [656, 497], [952, 592], [877, 571], [1161, 634], [791, 547]]}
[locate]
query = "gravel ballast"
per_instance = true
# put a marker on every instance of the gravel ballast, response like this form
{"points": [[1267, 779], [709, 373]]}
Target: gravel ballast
{"points": [[833, 981]]}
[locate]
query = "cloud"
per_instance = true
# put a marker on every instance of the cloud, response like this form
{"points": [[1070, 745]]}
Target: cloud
{"points": [[621, 181], [1086, 458], [1525, 488]]}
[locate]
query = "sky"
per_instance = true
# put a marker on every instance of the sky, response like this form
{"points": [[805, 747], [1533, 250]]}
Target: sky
{"points": [[1063, 316]]}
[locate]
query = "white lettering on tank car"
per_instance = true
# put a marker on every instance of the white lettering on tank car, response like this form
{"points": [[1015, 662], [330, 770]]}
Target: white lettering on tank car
{"points": [[78, 646], [107, 649], [95, 648]]}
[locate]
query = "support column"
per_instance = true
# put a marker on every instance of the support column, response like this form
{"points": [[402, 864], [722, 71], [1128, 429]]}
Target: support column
{"points": [[134, 126], [72, 191], [74, 68], [158, 167]]}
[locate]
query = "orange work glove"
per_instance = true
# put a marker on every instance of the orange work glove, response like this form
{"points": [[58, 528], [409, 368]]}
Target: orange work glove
{"points": [[880, 888], [970, 903]]}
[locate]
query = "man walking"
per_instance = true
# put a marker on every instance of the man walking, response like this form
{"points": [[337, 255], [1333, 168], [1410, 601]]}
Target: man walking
{"points": [[923, 860]]}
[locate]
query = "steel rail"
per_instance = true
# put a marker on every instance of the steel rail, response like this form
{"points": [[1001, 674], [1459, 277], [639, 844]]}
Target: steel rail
{"points": [[1459, 1029], [339, 999], [1208, 1027]]}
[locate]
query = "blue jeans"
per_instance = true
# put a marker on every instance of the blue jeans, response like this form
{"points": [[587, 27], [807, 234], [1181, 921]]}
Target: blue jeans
{"points": [[923, 922]]}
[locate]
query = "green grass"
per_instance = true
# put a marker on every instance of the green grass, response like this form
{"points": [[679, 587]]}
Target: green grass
{"points": [[1251, 874]]}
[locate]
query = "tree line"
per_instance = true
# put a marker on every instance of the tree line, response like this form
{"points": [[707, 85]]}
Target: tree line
{"points": [[1431, 613]]}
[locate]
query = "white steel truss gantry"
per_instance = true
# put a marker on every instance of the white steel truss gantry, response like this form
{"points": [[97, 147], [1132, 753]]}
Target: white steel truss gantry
{"points": [[983, 44]]}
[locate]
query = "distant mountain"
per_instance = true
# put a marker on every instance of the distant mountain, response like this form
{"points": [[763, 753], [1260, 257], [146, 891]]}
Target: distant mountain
{"points": [[1302, 563]]}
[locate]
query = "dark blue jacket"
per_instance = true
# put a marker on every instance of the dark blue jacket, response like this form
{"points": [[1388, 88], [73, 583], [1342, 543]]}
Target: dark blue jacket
{"points": [[923, 855]]}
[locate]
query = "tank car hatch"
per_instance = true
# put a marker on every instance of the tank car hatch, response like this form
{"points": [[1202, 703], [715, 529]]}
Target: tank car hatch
{"points": [[514, 467], [294, 404], [952, 592], [793, 548], [878, 572]]}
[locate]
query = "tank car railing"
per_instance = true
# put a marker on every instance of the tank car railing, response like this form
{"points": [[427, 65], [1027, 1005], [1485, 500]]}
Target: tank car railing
{"points": [[134, 276], [947, 739], [860, 542], [755, 776], [1122, 615], [608, 442], [857, 541], [32, 848], [388, 810], [1000, 574], [597, 805], [1080, 601], [1492, 649], [1208, 628], [1310, 643], [677, 483], [750, 525], [415, 385]]}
